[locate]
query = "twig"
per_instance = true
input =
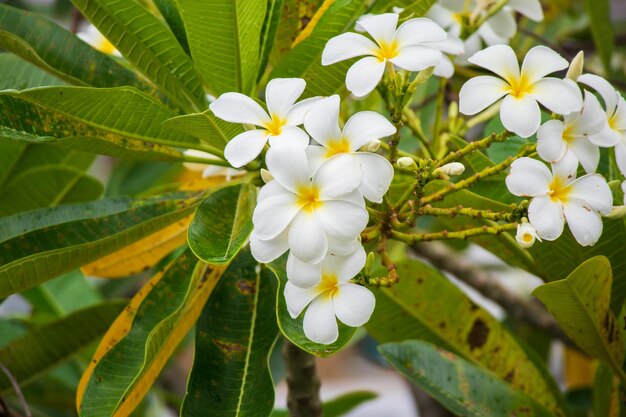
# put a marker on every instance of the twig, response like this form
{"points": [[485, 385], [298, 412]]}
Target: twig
{"points": [[16, 388], [303, 396]]}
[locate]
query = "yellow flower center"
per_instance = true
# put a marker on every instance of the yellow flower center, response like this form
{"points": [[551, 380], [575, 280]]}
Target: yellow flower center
{"points": [[519, 86], [559, 190], [337, 146], [105, 46], [527, 237], [275, 126], [568, 136], [387, 50], [328, 286], [613, 122], [308, 198]]}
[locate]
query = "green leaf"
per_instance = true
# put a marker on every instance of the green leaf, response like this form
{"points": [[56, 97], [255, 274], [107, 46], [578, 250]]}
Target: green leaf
{"points": [[293, 329], [305, 59], [19, 74], [581, 305], [599, 12], [47, 186], [222, 224], [295, 16], [42, 244], [224, 40], [44, 347], [170, 11], [234, 338], [460, 386], [206, 127], [269, 31], [145, 335], [149, 45], [61, 53], [339, 406], [606, 393], [411, 7], [412, 309]]}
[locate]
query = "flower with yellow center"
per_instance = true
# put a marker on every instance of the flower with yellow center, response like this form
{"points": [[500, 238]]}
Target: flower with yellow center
{"points": [[526, 235], [278, 125], [523, 89], [577, 136], [93, 37], [558, 197], [405, 47], [333, 297], [322, 123], [305, 211]]}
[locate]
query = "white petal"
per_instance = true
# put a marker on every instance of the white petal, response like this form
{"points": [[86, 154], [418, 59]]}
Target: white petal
{"points": [[480, 92], [620, 115], [609, 95], [586, 152], [363, 77], [550, 144], [237, 108], [591, 119], [302, 274], [338, 175], [339, 247], [272, 215], [566, 168], [547, 217], [451, 45], [559, 96], [341, 219], [528, 178], [320, 324], [541, 61], [445, 69], [585, 223], [366, 126], [282, 93], [377, 174], [346, 46], [530, 8], [417, 57], [316, 156], [353, 304], [288, 165], [593, 191], [266, 251], [295, 115], [271, 189], [620, 156], [290, 136], [381, 27], [499, 59], [503, 24], [420, 30], [307, 238], [488, 36], [345, 267], [606, 138], [322, 121], [245, 147], [520, 115], [298, 298], [442, 15]]}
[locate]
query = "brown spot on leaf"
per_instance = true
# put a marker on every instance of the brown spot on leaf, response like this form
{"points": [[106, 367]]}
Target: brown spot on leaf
{"points": [[229, 348], [509, 377], [478, 334], [246, 287]]}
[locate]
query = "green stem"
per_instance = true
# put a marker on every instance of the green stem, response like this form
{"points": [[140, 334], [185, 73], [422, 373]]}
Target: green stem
{"points": [[412, 238], [467, 212], [473, 146], [206, 161]]}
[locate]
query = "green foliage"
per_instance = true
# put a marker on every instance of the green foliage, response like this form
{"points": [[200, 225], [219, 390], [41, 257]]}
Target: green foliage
{"points": [[599, 12], [206, 127], [170, 10], [459, 385], [339, 406]]}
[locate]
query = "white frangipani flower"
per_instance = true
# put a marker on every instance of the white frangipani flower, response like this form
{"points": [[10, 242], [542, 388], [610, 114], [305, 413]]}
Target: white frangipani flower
{"points": [[526, 235], [308, 209], [93, 37], [578, 134], [522, 90], [207, 169], [405, 48], [558, 196], [322, 123], [615, 107], [334, 297], [278, 125]]}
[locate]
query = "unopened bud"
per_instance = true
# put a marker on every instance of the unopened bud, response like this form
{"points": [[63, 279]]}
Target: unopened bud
{"points": [[526, 234], [407, 163], [423, 75], [617, 212], [266, 176], [397, 9], [373, 146], [369, 262], [452, 169], [576, 67], [453, 110]]}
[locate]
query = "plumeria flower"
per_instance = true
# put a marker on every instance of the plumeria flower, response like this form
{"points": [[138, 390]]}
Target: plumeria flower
{"points": [[558, 196], [578, 134], [322, 123], [334, 297], [278, 125], [522, 90], [615, 107], [207, 169], [405, 48], [309, 209], [93, 37], [526, 235]]}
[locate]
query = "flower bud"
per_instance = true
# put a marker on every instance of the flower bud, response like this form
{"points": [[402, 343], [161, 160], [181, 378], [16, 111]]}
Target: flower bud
{"points": [[373, 146], [452, 169], [526, 235], [407, 163], [266, 176], [369, 262], [576, 67], [617, 212]]}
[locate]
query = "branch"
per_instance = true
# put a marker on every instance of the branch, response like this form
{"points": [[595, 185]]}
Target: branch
{"points": [[18, 391], [412, 238], [303, 394]]}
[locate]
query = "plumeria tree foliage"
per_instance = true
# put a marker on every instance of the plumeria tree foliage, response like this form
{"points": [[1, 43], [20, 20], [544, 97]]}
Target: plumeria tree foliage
{"points": [[281, 169]]}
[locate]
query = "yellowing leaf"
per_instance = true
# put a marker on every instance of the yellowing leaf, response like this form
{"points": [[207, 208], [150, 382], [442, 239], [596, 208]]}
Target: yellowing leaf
{"points": [[316, 17]]}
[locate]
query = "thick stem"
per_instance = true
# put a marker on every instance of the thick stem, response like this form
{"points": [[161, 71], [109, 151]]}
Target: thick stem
{"points": [[412, 238], [474, 146], [303, 397]]}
